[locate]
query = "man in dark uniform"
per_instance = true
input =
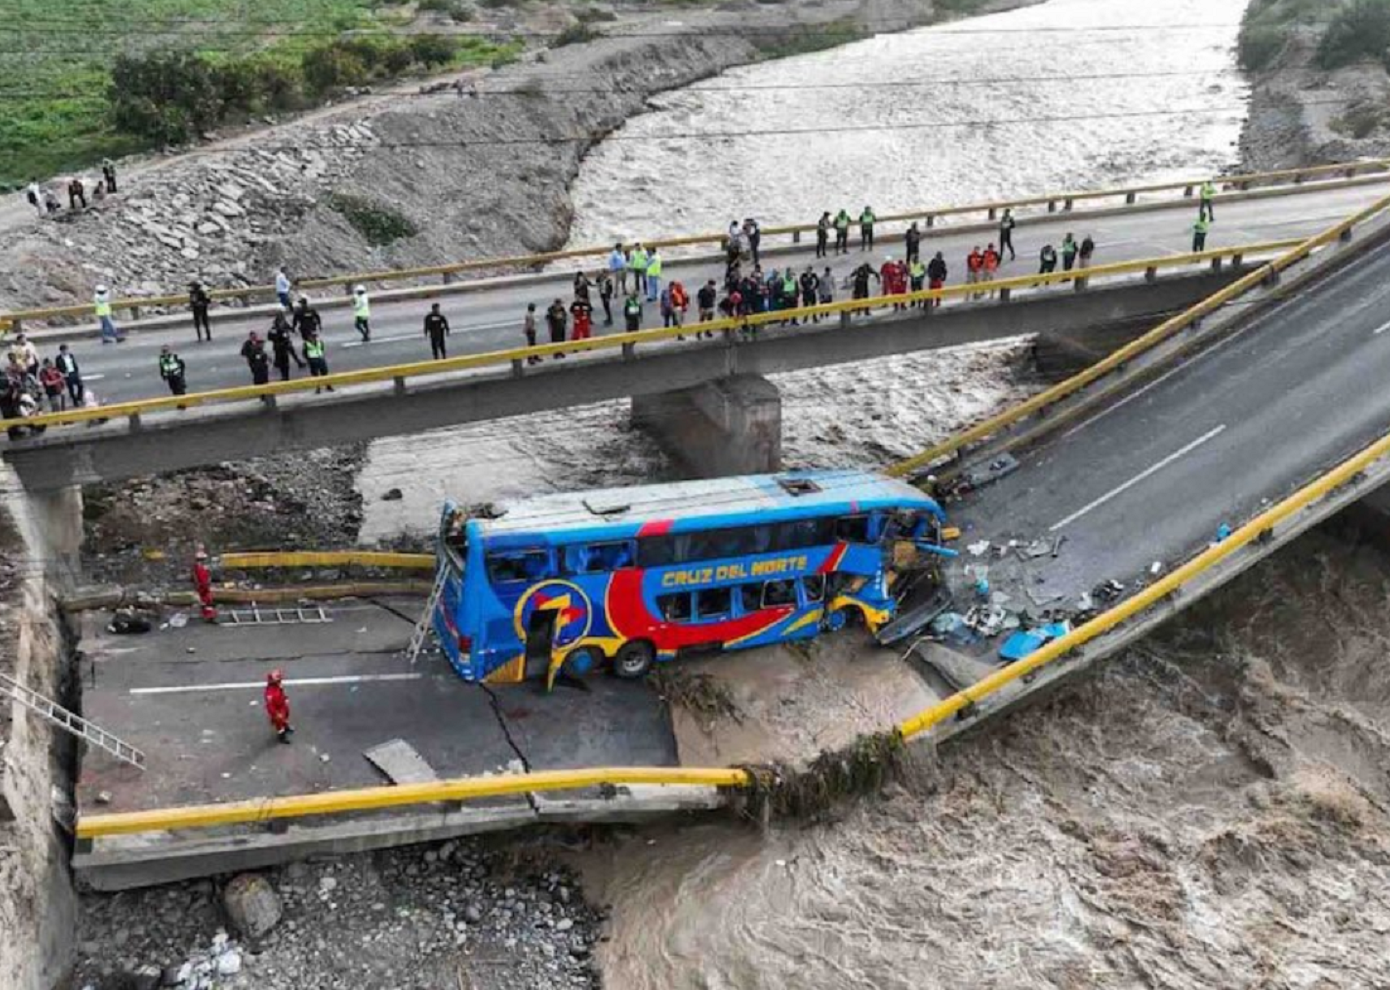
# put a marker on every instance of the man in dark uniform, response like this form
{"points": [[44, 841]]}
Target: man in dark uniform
{"points": [[436, 329]]}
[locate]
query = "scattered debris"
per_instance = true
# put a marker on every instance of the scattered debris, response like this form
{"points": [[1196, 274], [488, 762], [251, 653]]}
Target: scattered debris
{"points": [[392, 495], [978, 549], [400, 762]]}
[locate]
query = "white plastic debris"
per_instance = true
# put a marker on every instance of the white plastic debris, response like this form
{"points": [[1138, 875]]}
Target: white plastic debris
{"points": [[178, 620], [977, 549], [229, 963], [1155, 567]]}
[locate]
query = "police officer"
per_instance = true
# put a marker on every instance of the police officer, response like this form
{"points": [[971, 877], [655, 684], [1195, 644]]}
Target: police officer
{"points": [[913, 241], [822, 234], [171, 369], [436, 329], [866, 229], [605, 295], [1206, 209], [1199, 233], [1047, 260], [632, 312], [253, 352], [314, 355], [362, 312], [653, 275], [307, 319], [281, 346], [557, 319], [842, 232]]}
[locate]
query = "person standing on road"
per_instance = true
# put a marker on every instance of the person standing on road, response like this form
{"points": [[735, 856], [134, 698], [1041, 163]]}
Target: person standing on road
{"points": [[199, 302], [101, 303], [617, 265], [582, 286], [253, 353], [202, 585], [990, 266], [172, 370], [72, 375], [1047, 260], [866, 229], [825, 288], [632, 313], [282, 346], [1206, 208], [860, 277], [810, 283], [436, 329], [605, 296], [974, 267], [1199, 233], [108, 172], [52, 381], [936, 275], [315, 357], [528, 327], [25, 355], [705, 301], [913, 240], [637, 264], [282, 287], [1088, 248], [556, 318], [362, 313], [754, 235], [307, 319], [34, 194], [277, 706], [653, 275], [842, 232], [822, 234], [583, 314], [1069, 250], [917, 280], [1006, 233]]}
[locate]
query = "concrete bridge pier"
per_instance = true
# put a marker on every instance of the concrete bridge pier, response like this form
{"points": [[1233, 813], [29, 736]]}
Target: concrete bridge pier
{"points": [[727, 426], [56, 520]]}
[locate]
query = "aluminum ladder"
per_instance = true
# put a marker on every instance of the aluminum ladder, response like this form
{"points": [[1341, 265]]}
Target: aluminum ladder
{"points": [[426, 623], [299, 615], [51, 711]]}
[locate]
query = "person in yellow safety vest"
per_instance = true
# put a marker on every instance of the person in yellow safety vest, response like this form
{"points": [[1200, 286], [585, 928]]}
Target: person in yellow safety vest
{"points": [[1199, 233], [653, 276], [917, 277], [1208, 193], [842, 232], [313, 354], [638, 265], [361, 312], [101, 302]]}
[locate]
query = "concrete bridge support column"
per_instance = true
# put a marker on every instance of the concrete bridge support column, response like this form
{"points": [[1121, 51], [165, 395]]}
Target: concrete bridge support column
{"points": [[729, 426], [56, 517]]}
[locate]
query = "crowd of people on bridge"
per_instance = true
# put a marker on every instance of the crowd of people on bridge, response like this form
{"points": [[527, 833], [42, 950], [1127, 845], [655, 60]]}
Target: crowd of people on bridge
{"points": [[631, 286]]}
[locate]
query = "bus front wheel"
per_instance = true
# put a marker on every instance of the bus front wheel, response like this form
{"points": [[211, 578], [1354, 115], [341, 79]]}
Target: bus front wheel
{"points": [[634, 660]]}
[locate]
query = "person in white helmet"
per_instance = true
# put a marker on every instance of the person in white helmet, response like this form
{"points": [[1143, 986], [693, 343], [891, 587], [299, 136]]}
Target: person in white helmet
{"points": [[361, 312], [101, 303]]}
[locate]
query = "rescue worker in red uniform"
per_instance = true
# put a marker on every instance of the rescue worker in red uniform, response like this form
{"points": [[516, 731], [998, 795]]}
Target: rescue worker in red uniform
{"points": [[202, 584], [277, 706]]}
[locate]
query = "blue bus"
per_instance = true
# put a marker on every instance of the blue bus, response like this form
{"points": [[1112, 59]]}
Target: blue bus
{"points": [[629, 577]]}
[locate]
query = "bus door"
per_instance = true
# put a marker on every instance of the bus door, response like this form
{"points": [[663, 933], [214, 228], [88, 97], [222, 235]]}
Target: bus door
{"points": [[540, 643]]}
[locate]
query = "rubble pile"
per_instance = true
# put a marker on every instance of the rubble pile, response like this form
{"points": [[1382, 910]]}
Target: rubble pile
{"points": [[455, 914]]}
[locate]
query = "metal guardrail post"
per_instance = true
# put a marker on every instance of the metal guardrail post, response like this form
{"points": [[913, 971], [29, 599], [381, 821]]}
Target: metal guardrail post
{"points": [[1151, 274], [1216, 264], [134, 420], [931, 221], [1130, 197], [1051, 206], [1298, 178], [991, 213], [518, 370], [135, 312], [796, 237], [1187, 192], [1345, 236], [448, 278], [1237, 260], [398, 385], [1004, 294], [1067, 205], [270, 403], [1079, 285], [844, 319], [629, 351]]}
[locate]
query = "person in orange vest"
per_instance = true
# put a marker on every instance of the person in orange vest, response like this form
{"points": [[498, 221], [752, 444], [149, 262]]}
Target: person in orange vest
{"points": [[989, 264], [583, 314], [680, 302], [974, 266], [202, 585], [277, 705]]}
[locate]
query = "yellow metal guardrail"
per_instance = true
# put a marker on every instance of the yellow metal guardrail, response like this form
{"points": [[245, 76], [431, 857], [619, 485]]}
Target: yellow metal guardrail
{"points": [[928, 216], [1135, 348], [328, 558], [376, 798], [619, 340]]}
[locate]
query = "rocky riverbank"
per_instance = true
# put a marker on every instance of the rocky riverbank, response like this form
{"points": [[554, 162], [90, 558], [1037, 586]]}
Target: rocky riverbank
{"points": [[1300, 112], [472, 915]]}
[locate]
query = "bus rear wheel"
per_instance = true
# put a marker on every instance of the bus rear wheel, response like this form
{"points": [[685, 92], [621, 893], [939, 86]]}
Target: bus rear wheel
{"points": [[634, 660]]}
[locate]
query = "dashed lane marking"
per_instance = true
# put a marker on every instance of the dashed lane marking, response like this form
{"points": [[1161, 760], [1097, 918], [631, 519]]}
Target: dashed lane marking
{"points": [[289, 682]]}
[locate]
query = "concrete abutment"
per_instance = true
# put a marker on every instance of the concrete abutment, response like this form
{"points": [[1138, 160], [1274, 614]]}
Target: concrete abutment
{"points": [[727, 426]]}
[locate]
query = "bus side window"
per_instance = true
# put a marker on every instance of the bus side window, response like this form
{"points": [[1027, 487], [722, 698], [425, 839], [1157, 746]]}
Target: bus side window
{"points": [[852, 529], [713, 603], [750, 597], [779, 593], [674, 608], [814, 586], [598, 558], [530, 565]]}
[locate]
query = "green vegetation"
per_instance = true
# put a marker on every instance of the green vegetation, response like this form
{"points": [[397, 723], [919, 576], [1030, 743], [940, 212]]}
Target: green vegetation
{"points": [[1358, 122], [380, 225], [1266, 26], [800, 41], [85, 82], [575, 34], [1358, 30]]}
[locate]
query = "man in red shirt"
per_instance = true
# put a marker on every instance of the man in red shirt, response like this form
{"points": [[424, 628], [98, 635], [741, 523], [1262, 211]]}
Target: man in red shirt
{"points": [[202, 584], [989, 264], [277, 705], [974, 267]]}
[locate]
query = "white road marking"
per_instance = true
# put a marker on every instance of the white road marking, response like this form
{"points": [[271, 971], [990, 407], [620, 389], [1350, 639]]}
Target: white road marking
{"points": [[289, 682], [1151, 470], [1380, 329], [93, 378]]}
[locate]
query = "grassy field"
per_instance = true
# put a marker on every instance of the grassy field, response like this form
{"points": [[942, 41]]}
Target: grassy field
{"points": [[56, 58]]}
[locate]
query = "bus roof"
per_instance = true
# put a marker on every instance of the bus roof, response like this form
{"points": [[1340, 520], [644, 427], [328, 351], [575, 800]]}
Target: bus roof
{"points": [[725, 500]]}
